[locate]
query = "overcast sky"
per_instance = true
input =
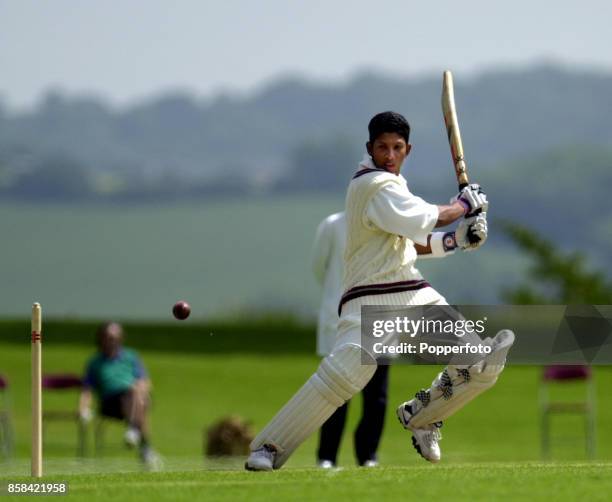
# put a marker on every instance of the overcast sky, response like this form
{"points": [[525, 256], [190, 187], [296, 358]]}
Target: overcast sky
{"points": [[127, 50]]}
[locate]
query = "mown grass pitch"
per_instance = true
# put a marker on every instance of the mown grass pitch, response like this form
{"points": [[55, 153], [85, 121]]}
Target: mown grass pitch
{"points": [[490, 449], [468, 481]]}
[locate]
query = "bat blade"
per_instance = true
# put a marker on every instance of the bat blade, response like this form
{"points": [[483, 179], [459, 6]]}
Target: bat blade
{"points": [[452, 129], [454, 138]]}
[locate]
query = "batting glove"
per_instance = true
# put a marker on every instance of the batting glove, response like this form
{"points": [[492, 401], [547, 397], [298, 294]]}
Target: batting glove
{"points": [[476, 227], [473, 199]]}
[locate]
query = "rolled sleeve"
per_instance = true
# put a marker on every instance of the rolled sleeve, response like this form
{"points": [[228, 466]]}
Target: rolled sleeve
{"points": [[397, 211]]}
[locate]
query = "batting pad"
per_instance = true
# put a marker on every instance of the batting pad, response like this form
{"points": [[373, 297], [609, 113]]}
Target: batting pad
{"points": [[458, 385], [339, 377]]}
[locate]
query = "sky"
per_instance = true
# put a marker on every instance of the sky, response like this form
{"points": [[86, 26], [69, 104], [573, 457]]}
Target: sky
{"points": [[129, 51]]}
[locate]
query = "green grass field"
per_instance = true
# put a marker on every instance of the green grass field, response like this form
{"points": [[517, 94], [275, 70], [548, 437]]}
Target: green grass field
{"points": [[490, 449], [498, 481], [134, 262], [224, 257]]}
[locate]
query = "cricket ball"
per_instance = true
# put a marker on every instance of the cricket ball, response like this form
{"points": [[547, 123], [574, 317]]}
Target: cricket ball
{"points": [[181, 310]]}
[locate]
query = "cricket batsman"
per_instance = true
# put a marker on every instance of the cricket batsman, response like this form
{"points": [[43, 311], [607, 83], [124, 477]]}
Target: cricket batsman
{"points": [[387, 228]]}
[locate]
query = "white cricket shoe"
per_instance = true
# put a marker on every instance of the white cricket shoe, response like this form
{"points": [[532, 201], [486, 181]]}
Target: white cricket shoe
{"points": [[325, 464], [370, 463], [425, 440], [152, 460], [261, 459]]}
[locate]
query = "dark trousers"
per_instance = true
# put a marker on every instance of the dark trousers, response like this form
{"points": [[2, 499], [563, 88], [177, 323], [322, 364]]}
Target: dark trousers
{"points": [[369, 430]]}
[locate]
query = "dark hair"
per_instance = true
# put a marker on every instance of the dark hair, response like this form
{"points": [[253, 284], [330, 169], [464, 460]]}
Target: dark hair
{"points": [[388, 122]]}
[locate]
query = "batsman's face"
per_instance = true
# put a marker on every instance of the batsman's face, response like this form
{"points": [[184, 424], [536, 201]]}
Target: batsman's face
{"points": [[388, 151]]}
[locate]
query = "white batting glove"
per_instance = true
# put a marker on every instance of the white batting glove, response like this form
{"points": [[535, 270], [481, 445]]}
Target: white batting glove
{"points": [[477, 227], [473, 199]]}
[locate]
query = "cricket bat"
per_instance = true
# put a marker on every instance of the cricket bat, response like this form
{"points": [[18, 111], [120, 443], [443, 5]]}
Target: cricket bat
{"points": [[454, 138], [452, 129]]}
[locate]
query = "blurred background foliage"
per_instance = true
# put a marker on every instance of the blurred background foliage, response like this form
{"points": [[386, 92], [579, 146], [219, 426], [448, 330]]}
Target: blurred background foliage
{"points": [[118, 212]]}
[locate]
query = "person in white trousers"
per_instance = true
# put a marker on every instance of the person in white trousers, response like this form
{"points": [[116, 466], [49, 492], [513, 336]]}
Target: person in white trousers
{"points": [[387, 228], [328, 264]]}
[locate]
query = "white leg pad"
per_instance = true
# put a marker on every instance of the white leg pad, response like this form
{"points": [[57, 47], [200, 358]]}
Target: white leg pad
{"points": [[457, 385], [339, 377]]}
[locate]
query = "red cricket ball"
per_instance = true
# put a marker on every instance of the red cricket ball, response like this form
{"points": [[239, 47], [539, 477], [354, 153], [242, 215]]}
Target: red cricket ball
{"points": [[181, 310]]}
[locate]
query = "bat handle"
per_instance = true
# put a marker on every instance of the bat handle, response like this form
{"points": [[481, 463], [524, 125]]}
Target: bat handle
{"points": [[462, 177], [471, 236]]}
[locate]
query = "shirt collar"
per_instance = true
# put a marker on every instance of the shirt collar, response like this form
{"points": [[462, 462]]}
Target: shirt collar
{"points": [[368, 163]]}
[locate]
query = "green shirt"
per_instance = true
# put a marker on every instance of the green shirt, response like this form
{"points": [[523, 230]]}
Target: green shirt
{"points": [[113, 375]]}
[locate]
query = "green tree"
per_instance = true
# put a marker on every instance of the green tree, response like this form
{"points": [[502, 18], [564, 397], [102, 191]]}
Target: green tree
{"points": [[556, 277], [323, 166], [56, 177]]}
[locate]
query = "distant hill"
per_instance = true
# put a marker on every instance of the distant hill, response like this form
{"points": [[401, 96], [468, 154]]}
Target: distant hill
{"points": [[562, 193], [264, 139]]}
